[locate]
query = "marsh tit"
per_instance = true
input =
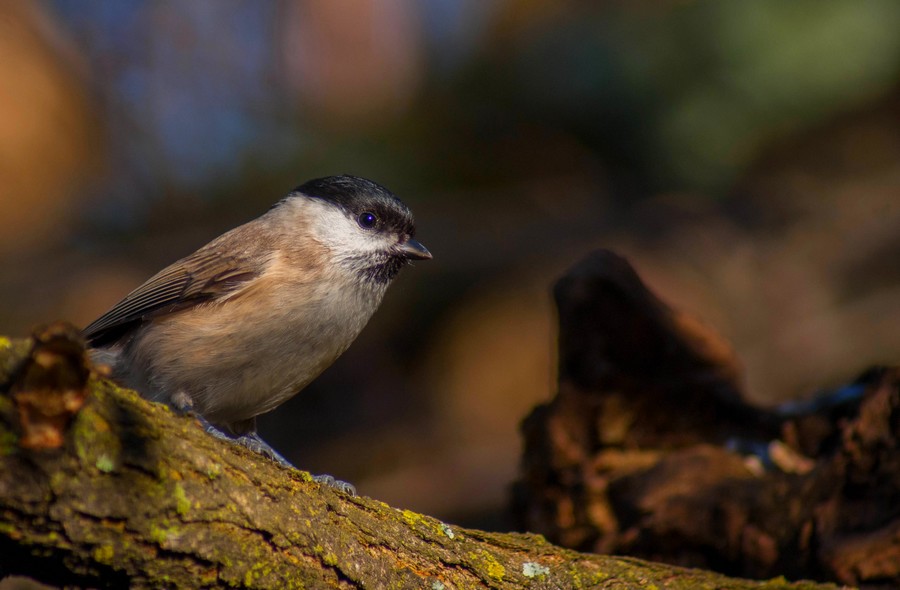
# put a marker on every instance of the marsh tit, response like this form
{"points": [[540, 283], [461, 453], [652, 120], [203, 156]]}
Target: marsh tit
{"points": [[244, 323]]}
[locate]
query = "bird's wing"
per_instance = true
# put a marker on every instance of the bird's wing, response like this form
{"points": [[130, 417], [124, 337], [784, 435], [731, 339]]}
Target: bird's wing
{"points": [[200, 277]]}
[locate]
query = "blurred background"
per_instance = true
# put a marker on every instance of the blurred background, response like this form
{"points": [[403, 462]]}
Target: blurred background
{"points": [[744, 156]]}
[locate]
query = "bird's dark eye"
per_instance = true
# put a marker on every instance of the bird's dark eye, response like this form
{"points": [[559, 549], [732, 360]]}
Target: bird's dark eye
{"points": [[367, 220]]}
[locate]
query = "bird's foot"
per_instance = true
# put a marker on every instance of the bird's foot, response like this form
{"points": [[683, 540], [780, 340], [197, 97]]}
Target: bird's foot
{"points": [[330, 481], [252, 441]]}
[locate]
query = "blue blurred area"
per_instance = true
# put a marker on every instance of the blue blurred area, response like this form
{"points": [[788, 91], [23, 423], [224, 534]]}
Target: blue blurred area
{"points": [[682, 96], [187, 90], [191, 93]]}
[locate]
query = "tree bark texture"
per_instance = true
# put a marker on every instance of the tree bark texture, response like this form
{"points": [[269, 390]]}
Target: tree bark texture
{"points": [[100, 488]]}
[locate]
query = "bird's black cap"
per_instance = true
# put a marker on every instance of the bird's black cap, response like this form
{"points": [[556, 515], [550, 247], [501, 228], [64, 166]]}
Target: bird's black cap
{"points": [[357, 195]]}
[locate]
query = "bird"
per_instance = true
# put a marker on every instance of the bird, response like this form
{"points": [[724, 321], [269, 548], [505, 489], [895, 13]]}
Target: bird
{"points": [[248, 320]]}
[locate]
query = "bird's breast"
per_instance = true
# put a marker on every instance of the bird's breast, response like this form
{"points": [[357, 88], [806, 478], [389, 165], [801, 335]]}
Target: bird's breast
{"points": [[246, 354]]}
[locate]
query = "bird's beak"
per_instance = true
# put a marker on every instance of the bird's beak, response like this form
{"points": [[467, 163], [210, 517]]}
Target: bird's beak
{"points": [[413, 250]]}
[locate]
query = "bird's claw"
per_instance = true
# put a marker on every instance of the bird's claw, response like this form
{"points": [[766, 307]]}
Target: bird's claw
{"points": [[330, 481], [252, 441]]}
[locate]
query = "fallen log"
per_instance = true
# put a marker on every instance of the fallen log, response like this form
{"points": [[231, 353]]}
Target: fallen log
{"points": [[100, 488]]}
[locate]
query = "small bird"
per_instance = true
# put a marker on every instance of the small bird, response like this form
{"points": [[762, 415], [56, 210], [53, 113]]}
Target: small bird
{"points": [[244, 323]]}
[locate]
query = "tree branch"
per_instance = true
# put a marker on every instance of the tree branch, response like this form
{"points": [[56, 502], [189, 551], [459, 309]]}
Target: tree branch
{"points": [[135, 496]]}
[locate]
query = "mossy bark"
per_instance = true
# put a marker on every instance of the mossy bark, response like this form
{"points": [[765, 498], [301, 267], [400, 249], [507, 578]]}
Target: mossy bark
{"points": [[139, 497]]}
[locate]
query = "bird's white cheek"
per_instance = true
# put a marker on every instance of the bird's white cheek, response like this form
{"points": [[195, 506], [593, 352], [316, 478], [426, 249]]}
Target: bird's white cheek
{"points": [[344, 236]]}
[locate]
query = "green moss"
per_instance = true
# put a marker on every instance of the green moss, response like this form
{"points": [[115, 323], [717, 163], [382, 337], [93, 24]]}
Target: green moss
{"points": [[162, 534], [329, 558], [105, 463], [575, 578], [412, 518], [305, 476], [214, 471], [259, 570], [95, 443], [9, 443], [182, 504], [495, 569], [489, 564], [104, 554]]}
